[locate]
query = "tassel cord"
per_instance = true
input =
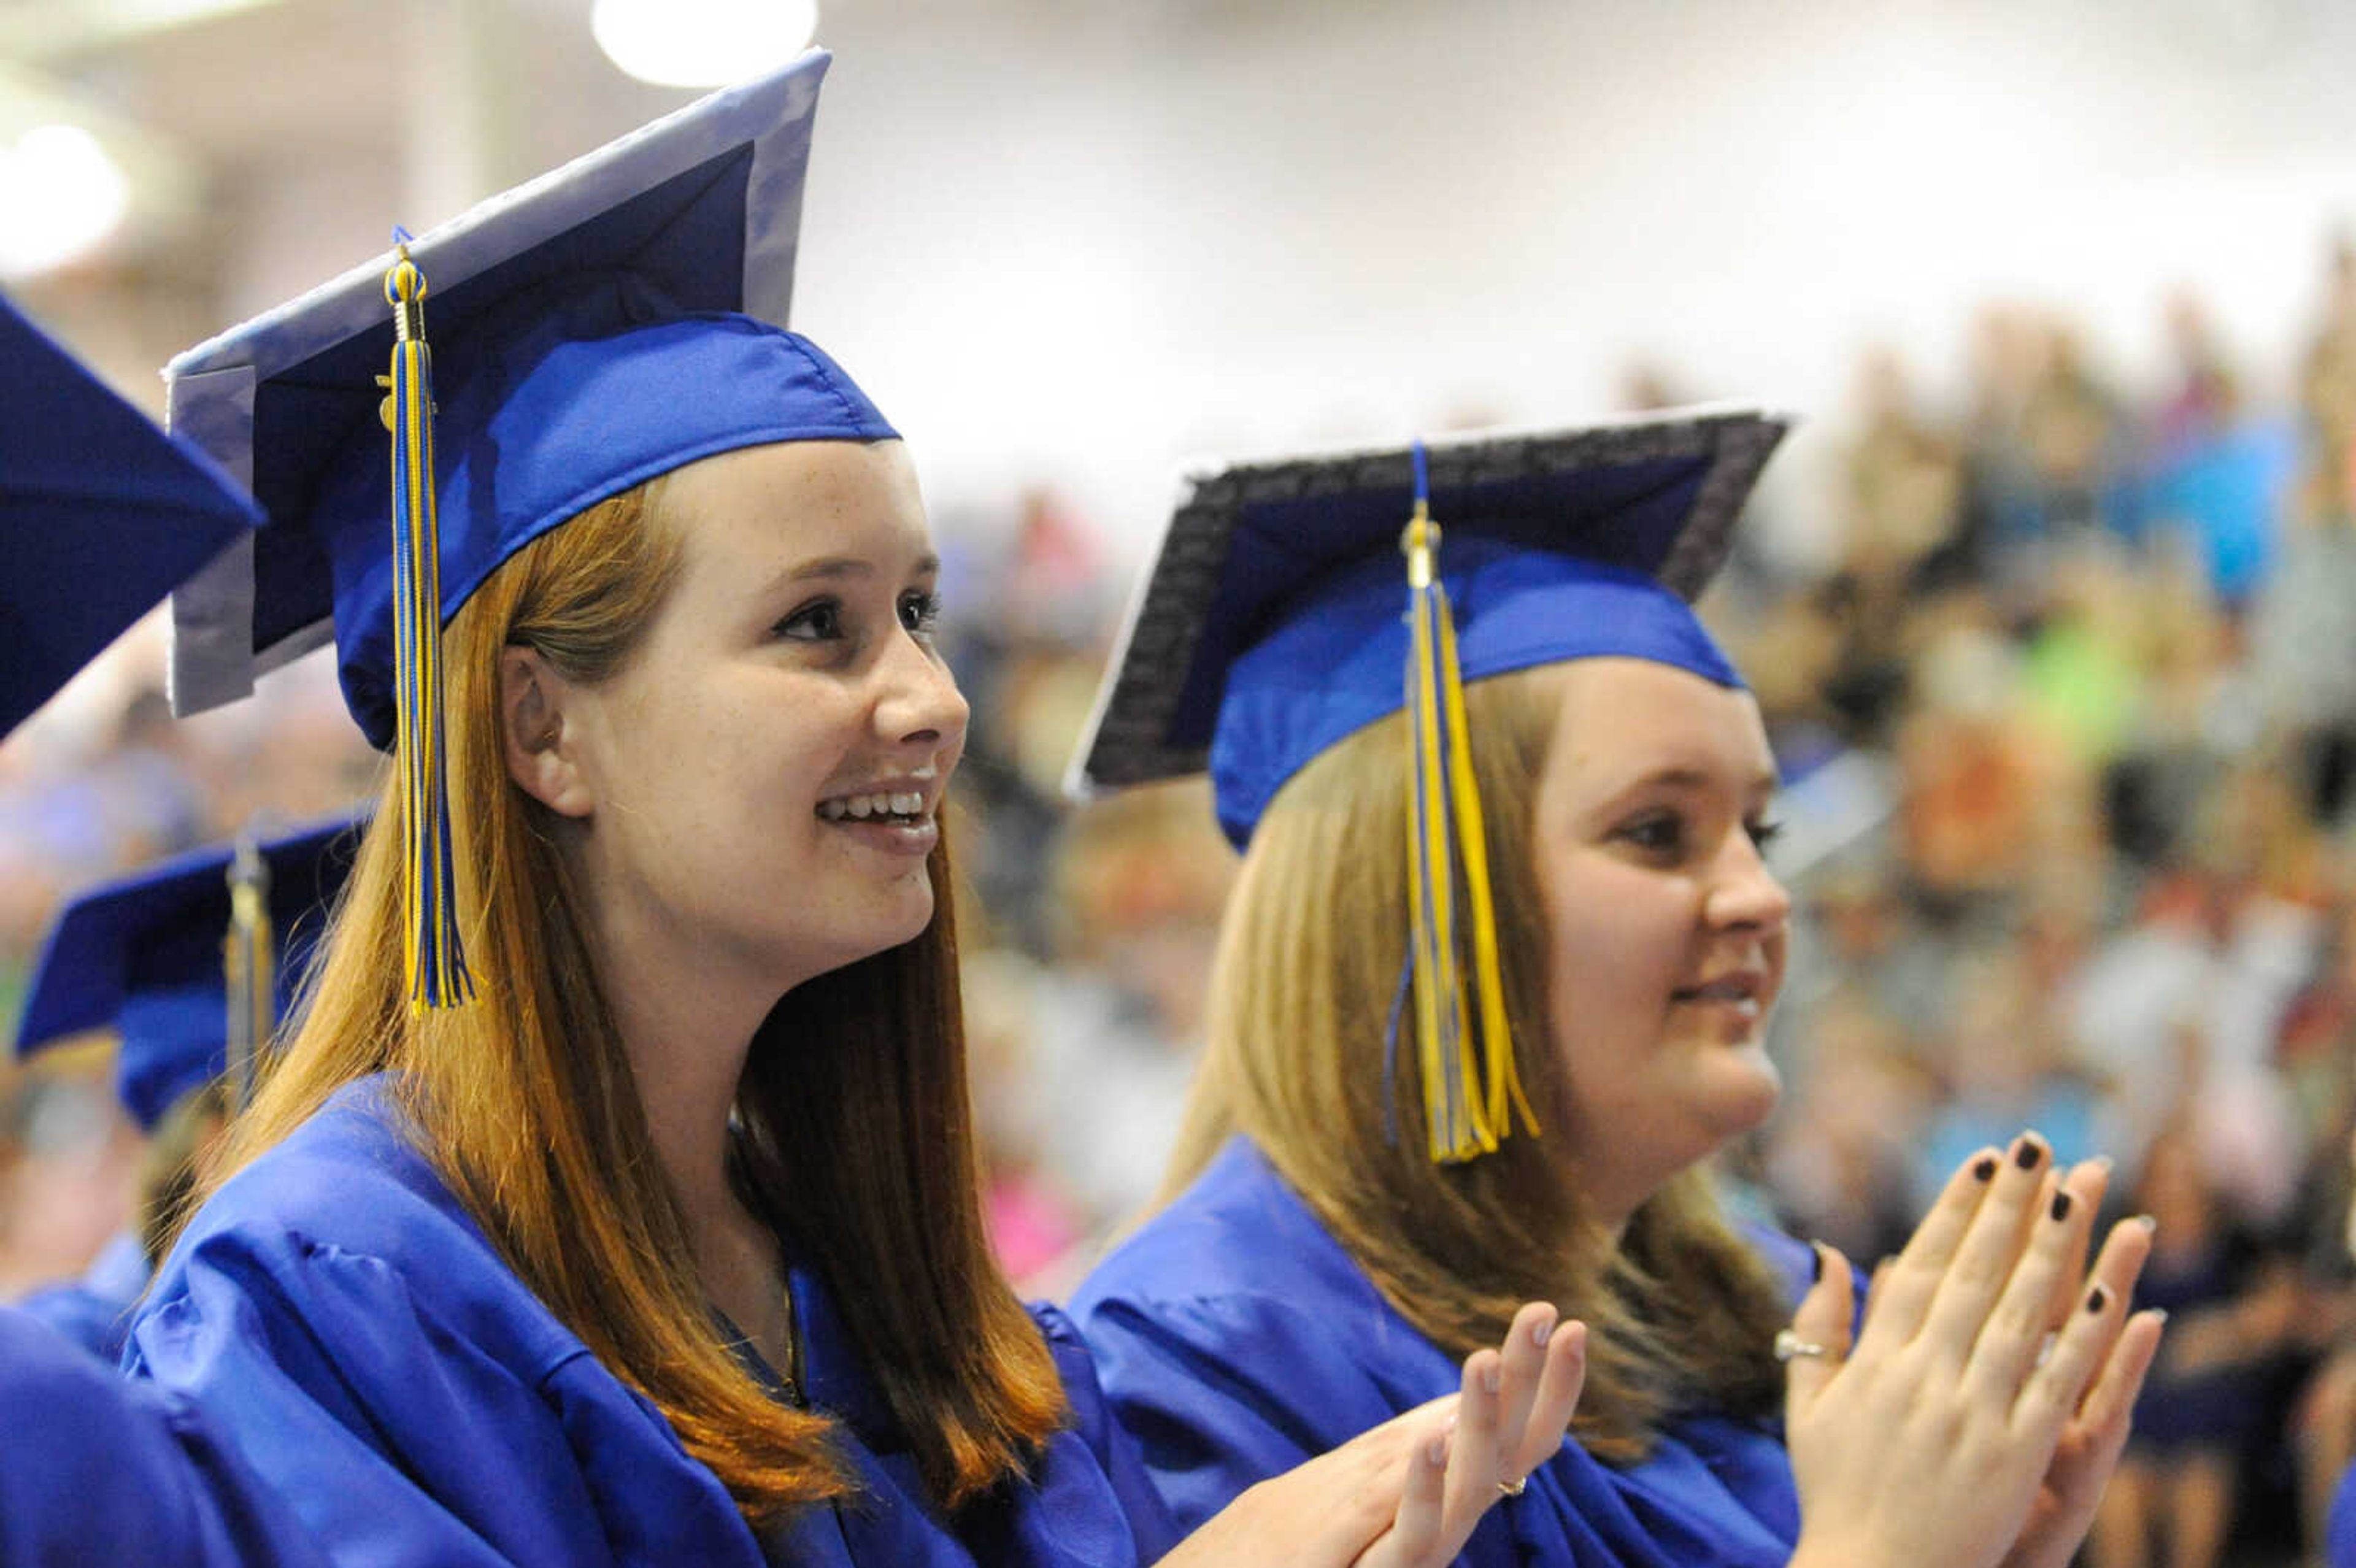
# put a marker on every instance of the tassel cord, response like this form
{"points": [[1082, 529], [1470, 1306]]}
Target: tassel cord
{"points": [[1471, 1085], [436, 963]]}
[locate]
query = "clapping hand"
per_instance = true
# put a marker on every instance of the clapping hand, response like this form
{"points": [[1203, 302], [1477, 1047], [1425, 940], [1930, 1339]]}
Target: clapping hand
{"points": [[1407, 1493], [1968, 1425]]}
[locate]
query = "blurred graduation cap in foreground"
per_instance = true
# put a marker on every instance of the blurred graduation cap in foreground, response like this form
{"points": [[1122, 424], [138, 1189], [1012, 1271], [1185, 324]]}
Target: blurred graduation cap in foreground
{"points": [[1295, 602], [101, 514], [169, 960]]}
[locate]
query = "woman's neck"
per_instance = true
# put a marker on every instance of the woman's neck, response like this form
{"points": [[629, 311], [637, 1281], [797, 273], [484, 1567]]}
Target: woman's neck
{"points": [[686, 1031], [1603, 1208], [685, 1056]]}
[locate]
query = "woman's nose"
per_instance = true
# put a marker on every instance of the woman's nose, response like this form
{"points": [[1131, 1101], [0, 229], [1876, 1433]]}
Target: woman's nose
{"points": [[1747, 893], [921, 702]]}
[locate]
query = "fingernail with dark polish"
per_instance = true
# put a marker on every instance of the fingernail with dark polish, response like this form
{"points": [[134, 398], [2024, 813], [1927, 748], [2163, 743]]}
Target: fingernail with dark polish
{"points": [[1815, 1264], [2026, 1153], [2097, 1299], [2060, 1206], [1986, 1168]]}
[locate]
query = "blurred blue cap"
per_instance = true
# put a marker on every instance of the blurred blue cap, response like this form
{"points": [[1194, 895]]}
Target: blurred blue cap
{"points": [[1271, 623], [101, 514], [144, 955], [590, 330]]}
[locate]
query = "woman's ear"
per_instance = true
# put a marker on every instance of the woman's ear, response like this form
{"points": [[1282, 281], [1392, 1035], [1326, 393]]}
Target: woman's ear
{"points": [[534, 733]]}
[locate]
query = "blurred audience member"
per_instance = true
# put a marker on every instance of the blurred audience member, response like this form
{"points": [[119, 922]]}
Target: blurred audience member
{"points": [[1986, 792], [2232, 1312], [1903, 486]]}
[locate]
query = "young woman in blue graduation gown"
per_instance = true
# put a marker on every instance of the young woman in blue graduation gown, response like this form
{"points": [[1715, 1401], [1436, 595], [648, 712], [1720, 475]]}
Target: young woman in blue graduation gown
{"points": [[1314, 1268]]}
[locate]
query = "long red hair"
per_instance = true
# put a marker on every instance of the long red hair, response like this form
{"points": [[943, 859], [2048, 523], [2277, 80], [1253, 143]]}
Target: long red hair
{"points": [[858, 1131]]}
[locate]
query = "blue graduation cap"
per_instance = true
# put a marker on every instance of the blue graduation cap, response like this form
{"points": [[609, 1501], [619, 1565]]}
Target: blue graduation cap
{"points": [[1271, 622], [593, 329], [1294, 602], [100, 514], [155, 954]]}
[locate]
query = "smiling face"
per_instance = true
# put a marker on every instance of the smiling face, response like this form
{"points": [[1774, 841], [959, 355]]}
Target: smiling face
{"points": [[1667, 932], [758, 785]]}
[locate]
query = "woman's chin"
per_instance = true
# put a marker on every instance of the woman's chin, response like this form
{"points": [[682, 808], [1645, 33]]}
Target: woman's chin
{"points": [[898, 927], [1750, 1095]]}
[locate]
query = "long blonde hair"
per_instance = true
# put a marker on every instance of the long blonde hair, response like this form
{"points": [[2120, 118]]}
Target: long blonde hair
{"points": [[857, 1131], [1309, 957]]}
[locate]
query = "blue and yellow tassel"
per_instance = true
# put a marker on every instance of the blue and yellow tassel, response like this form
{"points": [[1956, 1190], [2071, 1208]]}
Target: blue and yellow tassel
{"points": [[1472, 1087], [436, 965]]}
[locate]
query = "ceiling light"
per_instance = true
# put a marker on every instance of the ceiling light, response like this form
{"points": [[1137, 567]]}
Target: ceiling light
{"points": [[701, 43], [60, 198]]}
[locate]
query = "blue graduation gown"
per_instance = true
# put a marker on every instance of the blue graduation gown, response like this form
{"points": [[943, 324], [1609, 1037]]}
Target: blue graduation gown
{"points": [[94, 1311], [360, 1345], [2339, 1528], [1237, 1338], [97, 1469]]}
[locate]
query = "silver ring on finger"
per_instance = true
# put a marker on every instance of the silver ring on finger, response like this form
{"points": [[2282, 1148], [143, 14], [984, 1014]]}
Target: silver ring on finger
{"points": [[1790, 1346], [1512, 1488]]}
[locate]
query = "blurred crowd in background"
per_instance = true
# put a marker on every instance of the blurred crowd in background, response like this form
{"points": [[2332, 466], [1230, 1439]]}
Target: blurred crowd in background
{"points": [[2069, 729]]}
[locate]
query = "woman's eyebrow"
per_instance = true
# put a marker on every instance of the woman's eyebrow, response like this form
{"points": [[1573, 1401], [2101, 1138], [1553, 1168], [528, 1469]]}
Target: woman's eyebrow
{"points": [[1663, 778], [1687, 777], [837, 566], [828, 566], [832, 569]]}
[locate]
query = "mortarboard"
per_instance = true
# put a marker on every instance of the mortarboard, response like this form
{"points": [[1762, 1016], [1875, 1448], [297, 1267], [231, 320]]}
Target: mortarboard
{"points": [[100, 514], [1294, 602], [158, 954], [592, 329]]}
